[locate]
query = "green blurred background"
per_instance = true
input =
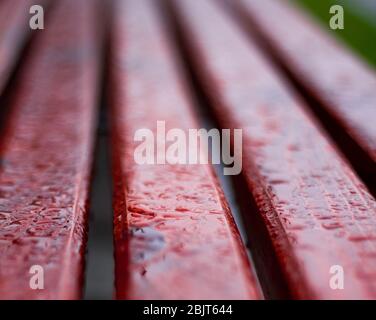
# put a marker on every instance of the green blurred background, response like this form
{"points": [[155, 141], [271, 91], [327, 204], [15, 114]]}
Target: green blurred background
{"points": [[360, 23]]}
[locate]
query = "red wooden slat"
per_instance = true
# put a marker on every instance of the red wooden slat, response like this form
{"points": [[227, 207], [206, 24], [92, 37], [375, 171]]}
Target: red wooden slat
{"points": [[174, 235], [14, 26], [343, 84], [317, 212], [46, 158]]}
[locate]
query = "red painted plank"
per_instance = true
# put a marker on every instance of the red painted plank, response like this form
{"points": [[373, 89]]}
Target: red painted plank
{"points": [[46, 158], [14, 26], [317, 212], [344, 85], [174, 235]]}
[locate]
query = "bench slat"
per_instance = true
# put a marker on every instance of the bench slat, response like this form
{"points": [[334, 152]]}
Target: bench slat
{"points": [[46, 158], [14, 26], [343, 84], [175, 237], [317, 212]]}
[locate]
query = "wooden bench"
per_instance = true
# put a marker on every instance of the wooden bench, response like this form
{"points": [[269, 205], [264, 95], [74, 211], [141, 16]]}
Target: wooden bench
{"points": [[317, 213], [174, 234], [341, 86], [46, 158], [307, 211], [14, 24]]}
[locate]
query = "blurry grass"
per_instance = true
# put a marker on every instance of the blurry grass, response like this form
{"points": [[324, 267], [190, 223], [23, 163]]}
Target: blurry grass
{"points": [[358, 33]]}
